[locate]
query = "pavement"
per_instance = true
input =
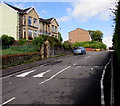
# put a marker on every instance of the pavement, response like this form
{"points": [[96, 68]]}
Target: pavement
{"points": [[18, 68]]}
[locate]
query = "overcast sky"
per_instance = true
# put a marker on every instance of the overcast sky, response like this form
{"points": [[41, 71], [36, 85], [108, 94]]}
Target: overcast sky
{"points": [[72, 14]]}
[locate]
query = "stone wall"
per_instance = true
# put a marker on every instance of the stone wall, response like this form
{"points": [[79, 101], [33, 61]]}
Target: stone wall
{"points": [[12, 60], [45, 52]]}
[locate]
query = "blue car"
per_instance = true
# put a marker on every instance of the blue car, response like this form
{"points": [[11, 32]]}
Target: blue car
{"points": [[79, 50]]}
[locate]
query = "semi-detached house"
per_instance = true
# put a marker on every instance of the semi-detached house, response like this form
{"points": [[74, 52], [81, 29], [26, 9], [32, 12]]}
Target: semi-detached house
{"points": [[25, 23]]}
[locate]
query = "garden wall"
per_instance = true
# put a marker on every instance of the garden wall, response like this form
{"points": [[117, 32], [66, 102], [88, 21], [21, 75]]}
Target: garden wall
{"points": [[90, 49], [12, 60]]}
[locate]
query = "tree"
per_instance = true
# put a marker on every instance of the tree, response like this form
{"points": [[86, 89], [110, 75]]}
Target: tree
{"points": [[60, 37], [96, 35], [116, 36]]}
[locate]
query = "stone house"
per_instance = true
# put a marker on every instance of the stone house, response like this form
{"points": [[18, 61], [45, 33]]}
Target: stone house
{"points": [[25, 23], [49, 27], [79, 35]]}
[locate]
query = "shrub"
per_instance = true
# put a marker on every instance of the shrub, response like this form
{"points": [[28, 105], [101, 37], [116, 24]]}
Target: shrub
{"points": [[7, 40], [38, 41], [66, 45], [22, 41], [90, 44]]}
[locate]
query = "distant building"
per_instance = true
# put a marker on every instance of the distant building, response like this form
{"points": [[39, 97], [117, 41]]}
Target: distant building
{"points": [[79, 35], [25, 23]]}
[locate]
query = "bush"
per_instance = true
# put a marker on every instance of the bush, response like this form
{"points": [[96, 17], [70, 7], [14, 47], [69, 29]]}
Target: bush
{"points": [[42, 38], [7, 40], [22, 41], [38, 41], [66, 45], [90, 44]]}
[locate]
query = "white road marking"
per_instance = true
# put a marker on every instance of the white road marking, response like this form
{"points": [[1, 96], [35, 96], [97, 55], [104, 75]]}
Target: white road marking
{"points": [[77, 67], [7, 101], [74, 64], [25, 74], [20, 72], [41, 74], [54, 75], [101, 84], [92, 68]]}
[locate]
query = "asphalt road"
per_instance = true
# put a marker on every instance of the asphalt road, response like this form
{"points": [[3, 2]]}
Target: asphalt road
{"points": [[69, 80]]}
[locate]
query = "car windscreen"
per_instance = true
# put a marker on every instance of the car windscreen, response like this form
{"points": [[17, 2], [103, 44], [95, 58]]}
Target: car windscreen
{"points": [[77, 48]]}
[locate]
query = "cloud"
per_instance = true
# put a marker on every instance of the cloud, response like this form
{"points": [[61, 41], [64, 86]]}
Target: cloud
{"points": [[43, 11], [87, 9], [108, 41], [63, 19], [20, 5]]}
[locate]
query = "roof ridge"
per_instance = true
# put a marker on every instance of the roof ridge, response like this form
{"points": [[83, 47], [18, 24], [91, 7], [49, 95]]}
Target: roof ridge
{"points": [[18, 9]]}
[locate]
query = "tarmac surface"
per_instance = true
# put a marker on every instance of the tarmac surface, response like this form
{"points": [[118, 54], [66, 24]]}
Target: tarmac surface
{"points": [[71, 80]]}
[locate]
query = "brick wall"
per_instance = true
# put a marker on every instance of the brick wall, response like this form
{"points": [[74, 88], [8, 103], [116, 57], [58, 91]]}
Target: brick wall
{"points": [[79, 35]]}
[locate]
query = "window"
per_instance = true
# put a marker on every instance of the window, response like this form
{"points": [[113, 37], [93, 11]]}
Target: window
{"points": [[43, 26], [35, 34], [24, 33], [29, 20], [48, 28], [35, 22], [30, 34], [53, 28], [24, 20]]}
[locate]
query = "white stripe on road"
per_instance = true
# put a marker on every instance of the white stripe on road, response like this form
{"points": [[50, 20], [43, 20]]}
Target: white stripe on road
{"points": [[92, 68], [20, 72], [77, 67], [101, 84], [7, 101], [54, 75], [41, 74], [25, 74], [74, 64]]}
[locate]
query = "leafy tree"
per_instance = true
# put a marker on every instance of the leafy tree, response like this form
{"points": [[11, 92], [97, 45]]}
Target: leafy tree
{"points": [[96, 35], [116, 36], [60, 37], [7, 40]]}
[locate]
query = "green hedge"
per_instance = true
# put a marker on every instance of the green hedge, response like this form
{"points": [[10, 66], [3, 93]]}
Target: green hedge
{"points": [[90, 44]]}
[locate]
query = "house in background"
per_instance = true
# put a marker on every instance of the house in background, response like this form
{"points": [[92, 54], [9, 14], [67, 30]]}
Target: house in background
{"points": [[79, 35], [25, 23]]}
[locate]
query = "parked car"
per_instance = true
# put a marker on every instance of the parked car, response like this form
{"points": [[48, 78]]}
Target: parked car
{"points": [[79, 50]]}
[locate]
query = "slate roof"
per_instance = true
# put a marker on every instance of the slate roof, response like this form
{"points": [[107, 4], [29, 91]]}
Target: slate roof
{"points": [[22, 11], [48, 21]]}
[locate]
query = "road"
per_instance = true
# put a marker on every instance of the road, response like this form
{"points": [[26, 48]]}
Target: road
{"points": [[69, 80]]}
